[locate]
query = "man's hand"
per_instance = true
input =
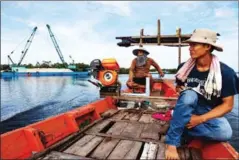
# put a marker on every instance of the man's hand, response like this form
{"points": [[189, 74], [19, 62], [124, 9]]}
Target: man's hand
{"points": [[194, 121], [162, 74], [179, 89]]}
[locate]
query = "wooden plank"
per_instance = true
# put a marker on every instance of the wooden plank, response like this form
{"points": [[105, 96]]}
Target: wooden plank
{"points": [[117, 128], [155, 36], [64, 143], [127, 117], [127, 138], [196, 154], [137, 122], [187, 153], [72, 149], [150, 131], [119, 115], [135, 117], [152, 151], [162, 139], [134, 150], [164, 128], [161, 151], [146, 118], [138, 98], [145, 151], [60, 155], [132, 130], [132, 116], [83, 149], [181, 154], [156, 93], [109, 113], [149, 151], [151, 119], [162, 122], [98, 127], [162, 44], [125, 149], [105, 148]]}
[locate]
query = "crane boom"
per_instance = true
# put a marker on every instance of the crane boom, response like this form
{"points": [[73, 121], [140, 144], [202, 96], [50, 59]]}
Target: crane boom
{"points": [[55, 44], [10, 59], [29, 41]]}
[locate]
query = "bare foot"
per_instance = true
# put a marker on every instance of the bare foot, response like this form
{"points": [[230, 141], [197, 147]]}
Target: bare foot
{"points": [[171, 152]]}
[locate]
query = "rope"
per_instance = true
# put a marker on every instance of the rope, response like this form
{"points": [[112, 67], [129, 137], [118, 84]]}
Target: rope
{"points": [[19, 44]]}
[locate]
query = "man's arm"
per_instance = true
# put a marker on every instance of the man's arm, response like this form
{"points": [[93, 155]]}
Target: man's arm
{"points": [[156, 66], [131, 70], [218, 111], [179, 88]]}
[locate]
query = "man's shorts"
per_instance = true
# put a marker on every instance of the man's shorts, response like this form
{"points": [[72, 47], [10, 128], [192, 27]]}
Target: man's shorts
{"points": [[141, 81]]}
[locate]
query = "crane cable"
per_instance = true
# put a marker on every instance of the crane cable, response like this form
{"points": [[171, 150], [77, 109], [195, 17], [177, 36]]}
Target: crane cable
{"points": [[19, 45]]}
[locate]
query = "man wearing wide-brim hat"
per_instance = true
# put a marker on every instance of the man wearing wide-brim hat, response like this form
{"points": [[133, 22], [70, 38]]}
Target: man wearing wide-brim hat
{"points": [[140, 68], [206, 89]]}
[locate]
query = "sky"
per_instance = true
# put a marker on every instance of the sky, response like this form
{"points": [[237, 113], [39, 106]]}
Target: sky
{"points": [[86, 30]]}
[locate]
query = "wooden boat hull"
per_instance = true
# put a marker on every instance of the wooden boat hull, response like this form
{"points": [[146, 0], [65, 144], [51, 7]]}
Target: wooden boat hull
{"points": [[39, 136], [47, 135]]}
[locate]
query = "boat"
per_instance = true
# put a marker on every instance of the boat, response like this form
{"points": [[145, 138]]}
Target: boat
{"points": [[18, 70], [118, 126], [42, 72], [100, 130], [115, 127]]}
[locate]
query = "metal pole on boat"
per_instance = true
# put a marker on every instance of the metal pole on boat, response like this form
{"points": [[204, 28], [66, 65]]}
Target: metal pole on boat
{"points": [[141, 37], [158, 37], [178, 31]]}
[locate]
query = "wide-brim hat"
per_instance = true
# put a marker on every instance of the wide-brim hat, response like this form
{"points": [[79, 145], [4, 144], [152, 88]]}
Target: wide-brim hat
{"points": [[135, 51], [205, 36]]}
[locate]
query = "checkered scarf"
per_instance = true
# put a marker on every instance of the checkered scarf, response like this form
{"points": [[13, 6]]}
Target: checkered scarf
{"points": [[213, 84], [141, 60]]}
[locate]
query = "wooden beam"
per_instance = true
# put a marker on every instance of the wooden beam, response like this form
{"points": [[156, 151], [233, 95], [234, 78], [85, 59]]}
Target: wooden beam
{"points": [[140, 98], [127, 138], [179, 47], [163, 44], [158, 37], [155, 36], [159, 122], [60, 155], [141, 37]]}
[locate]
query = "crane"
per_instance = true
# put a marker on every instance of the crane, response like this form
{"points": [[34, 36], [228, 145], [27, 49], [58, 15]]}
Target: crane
{"points": [[29, 41], [72, 59], [10, 59], [56, 45]]}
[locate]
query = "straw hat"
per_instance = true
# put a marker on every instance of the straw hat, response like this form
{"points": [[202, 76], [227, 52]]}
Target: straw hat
{"points": [[205, 36], [135, 51]]}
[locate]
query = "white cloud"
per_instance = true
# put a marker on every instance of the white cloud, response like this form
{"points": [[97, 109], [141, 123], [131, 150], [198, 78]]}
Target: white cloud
{"points": [[118, 7], [80, 38], [22, 4], [224, 12], [187, 6]]}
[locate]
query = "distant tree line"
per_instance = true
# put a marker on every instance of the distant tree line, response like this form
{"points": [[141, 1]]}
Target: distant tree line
{"points": [[45, 64], [79, 67]]}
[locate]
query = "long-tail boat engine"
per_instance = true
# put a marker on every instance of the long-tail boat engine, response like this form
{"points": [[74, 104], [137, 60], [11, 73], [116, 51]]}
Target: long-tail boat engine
{"points": [[106, 73]]}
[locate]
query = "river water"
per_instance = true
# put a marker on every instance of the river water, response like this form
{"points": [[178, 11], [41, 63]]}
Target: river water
{"points": [[26, 100]]}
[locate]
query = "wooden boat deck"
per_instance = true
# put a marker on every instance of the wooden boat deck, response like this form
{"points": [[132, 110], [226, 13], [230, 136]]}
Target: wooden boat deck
{"points": [[120, 134]]}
